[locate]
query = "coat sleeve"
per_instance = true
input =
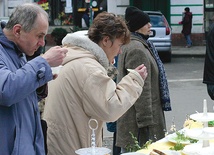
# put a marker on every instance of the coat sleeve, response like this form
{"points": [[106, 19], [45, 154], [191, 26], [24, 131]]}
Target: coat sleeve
{"points": [[143, 108], [106, 101], [17, 84]]}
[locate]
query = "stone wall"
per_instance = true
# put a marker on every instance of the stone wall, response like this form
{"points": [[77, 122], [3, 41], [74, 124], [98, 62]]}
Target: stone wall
{"points": [[197, 39]]}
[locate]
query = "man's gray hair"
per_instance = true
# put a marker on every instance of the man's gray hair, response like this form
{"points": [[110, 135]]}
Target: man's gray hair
{"points": [[25, 15]]}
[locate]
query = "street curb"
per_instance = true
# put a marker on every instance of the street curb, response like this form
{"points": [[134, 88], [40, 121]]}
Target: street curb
{"points": [[188, 55], [194, 51]]}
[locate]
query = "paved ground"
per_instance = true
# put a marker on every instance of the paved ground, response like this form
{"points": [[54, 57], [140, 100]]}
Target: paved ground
{"points": [[193, 51], [108, 142]]}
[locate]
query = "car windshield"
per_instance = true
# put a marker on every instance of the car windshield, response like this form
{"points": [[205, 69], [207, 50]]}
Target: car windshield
{"points": [[157, 21]]}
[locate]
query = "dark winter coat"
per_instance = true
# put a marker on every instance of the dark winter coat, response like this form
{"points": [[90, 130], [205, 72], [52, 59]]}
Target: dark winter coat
{"points": [[209, 58], [187, 23], [145, 118]]}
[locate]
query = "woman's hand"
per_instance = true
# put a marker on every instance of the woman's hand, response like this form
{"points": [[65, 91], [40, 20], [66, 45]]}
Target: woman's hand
{"points": [[142, 71]]}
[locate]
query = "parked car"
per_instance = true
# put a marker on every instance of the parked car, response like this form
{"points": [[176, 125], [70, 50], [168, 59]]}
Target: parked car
{"points": [[4, 19], [160, 34]]}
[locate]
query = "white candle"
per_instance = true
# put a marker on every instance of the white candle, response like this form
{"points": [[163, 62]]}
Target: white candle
{"points": [[205, 107]]}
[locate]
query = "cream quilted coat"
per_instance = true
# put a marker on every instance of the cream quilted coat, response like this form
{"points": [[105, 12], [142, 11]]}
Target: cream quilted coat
{"points": [[83, 91]]}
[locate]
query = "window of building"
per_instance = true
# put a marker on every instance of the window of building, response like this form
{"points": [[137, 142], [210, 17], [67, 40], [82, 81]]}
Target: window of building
{"points": [[58, 14], [56, 11]]}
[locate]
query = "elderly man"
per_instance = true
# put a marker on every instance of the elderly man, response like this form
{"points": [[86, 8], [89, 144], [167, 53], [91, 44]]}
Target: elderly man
{"points": [[20, 127]]}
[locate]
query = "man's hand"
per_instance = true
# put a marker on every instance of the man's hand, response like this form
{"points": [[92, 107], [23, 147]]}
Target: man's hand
{"points": [[55, 55]]}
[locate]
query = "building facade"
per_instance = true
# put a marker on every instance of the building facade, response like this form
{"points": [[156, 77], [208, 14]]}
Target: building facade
{"points": [[67, 13], [203, 11]]}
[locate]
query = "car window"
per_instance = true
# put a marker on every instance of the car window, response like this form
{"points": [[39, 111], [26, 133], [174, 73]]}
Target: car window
{"points": [[157, 21]]}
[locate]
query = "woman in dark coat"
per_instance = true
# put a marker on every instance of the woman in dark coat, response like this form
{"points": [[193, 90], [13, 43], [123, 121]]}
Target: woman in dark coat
{"points": [[145, 119]]}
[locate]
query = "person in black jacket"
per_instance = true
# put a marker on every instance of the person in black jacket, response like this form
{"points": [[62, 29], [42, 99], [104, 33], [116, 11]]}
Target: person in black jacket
{"points": [[187, 26], [208, 78], [86, 19]]}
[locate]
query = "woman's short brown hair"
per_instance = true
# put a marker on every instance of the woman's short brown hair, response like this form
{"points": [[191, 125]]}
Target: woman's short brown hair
{"points": [[108, 24]]}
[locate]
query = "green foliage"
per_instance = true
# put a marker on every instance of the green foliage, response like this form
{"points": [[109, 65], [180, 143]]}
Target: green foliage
{"points": [[59, 34], [180, 137], [211, 123], [135, 146], [178, 146]]}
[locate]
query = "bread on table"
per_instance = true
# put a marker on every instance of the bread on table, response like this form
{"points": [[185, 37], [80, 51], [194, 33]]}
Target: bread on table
{"points": [[156, 152]]}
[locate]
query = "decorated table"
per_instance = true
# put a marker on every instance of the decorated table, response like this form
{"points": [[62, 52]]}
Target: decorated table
{"points": [[196, 138], [167, 144]]}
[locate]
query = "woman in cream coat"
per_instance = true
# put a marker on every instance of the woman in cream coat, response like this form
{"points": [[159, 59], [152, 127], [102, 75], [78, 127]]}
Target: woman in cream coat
{"points": [[83, 90]]}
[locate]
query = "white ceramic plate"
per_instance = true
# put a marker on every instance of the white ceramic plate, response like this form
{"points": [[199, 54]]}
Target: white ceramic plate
{"points": [[209, 130], [198, 149], [168, 152], [88, 151], [171, 152], [199, 134], [172, 138], [133, 153], [202, 118]]}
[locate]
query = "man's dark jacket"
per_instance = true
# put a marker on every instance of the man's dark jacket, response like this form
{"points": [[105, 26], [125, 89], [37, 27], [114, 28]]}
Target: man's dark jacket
{"points": [[209, 58], [187, 23]]}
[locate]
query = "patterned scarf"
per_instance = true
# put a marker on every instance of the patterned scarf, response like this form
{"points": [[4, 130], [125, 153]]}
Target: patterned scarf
{"points": [[164, 90]]}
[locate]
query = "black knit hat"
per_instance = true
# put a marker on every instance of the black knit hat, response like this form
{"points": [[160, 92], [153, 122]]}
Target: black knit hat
{"points": [[187, 9], [135, 18]]}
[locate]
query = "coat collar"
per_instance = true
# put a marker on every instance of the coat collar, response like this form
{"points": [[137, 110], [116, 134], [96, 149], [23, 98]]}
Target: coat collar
{"points": [[143, 41], [81, 39]]}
